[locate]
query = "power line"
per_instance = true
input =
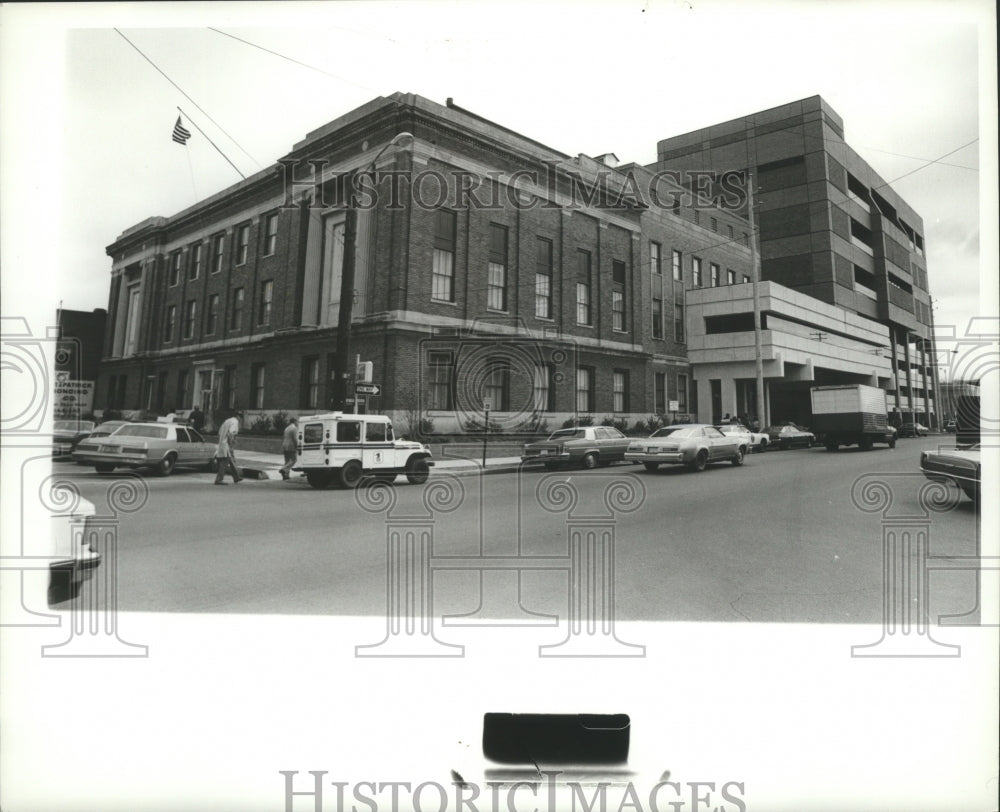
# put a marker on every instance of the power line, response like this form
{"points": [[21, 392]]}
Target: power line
{"points": [[186, 96], [290, 59], [929, 163]]}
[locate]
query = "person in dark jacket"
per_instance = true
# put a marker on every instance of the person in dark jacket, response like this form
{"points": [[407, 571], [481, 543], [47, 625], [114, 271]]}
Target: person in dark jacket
{"points": [[196, 419]]}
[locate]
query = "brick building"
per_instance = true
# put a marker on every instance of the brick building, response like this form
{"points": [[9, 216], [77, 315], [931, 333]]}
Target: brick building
{"points": [[831, 228], [488, 266]]}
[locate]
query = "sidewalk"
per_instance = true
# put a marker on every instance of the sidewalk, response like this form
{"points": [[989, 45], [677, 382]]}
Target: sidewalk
{"points": [[259, 465]]}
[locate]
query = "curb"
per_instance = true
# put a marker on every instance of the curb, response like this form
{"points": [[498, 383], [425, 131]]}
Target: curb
{"points": [[471, 470]]}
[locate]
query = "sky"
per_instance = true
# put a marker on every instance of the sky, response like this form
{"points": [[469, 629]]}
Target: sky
{"points": [[910, 80]]}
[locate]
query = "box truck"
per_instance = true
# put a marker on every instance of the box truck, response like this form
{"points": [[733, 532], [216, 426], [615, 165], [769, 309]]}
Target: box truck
{"points": [[851, 415]]}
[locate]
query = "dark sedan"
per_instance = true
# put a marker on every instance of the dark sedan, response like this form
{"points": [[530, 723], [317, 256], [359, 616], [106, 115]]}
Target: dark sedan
{"points": [[789, 436], [912, 429], [585, 446], [67, 433]]}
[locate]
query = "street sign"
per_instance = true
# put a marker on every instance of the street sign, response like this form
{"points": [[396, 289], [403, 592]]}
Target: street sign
{"points": [[487, 404], [367, 389]]}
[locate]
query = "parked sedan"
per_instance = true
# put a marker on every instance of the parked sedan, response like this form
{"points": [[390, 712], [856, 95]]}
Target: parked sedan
{"points": [[67, 433], [789, 436], [756, 440], [912, 429], [71, 558], [160, 446], [958, 465], [110, 427], [584, 446], [692, 444]]}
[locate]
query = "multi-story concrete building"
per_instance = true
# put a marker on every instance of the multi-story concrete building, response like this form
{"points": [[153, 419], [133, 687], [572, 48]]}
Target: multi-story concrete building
{"points": [[488, 267], [829, 227]]}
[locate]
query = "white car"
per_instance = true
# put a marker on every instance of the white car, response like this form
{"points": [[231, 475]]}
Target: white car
{"points": [[756, 440], [693, 444], [71, 558]]}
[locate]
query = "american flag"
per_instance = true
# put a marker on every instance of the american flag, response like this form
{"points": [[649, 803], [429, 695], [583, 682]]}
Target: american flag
{"points": [[181, 135]]}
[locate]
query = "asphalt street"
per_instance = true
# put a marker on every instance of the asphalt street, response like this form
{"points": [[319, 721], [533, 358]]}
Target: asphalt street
{"points": [[777, 540]]}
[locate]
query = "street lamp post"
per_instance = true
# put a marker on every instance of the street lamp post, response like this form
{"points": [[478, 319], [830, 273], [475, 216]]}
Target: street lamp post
{"points": [[342, 357]]}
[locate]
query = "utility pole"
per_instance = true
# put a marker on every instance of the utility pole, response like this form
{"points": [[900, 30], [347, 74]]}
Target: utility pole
{"points": [[755, 279], [342, 368]]}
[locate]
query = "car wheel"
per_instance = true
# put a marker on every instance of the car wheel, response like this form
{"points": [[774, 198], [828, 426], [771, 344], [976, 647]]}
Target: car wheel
{"points": [[892, 442], [589, 461], [350, 474], [651, 466], [699, 462], [104, 468], [809, 442], [166, 465], [738, 456], [417, 471], [763, 445], [865, 444], [319, 479], [832, 446]]}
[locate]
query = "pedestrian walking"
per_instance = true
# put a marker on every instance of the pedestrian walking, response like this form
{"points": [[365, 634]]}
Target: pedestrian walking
{"points": [[224, 456], [290, 446]]}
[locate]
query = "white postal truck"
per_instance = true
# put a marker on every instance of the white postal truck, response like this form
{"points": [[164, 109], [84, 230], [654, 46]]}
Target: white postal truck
{"points": [[339, 449]]}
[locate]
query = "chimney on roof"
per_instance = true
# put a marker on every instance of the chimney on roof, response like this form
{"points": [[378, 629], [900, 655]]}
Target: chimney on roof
{"points": [[449, 102], [608, 159]]}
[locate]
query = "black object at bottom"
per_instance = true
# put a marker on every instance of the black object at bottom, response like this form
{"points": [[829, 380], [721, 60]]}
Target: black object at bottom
{"points": [[541, 738]]}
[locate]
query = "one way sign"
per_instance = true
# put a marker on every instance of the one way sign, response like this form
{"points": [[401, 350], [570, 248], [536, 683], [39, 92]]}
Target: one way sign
{"points": [[367, 389]]}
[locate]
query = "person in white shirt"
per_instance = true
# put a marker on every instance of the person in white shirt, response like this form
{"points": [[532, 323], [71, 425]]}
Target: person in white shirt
{"points": [[225, 459]]}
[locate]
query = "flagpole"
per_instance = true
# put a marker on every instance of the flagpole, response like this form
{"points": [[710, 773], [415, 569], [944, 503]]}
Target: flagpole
{"points": [[210, 141]]}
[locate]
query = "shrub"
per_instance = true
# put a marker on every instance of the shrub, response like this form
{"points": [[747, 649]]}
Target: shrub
{"points": [[262, 425], [279, 421], [616, 423], [578, 422]]}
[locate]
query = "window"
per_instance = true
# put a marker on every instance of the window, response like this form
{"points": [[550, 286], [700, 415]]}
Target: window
{"points": [[745, 239], [175, 268], [730, 276], [189, 311], [497, 384], [441, 386], [682, 393], [730, 230], [182, 389], [678, 268], [657, 318], [543, 391], [236, 316], [746, 278], [257, 386], [715, 224], [218, 247], [619, 391], [714, 274], [310, 382], [182, 435], [375, 432], [496, 280], [242, 243], [266, 293], [654, 258], [194, 268], [697, 217], [659, 390], [675, 206], [270, 234], [443, 263], [312, 434], [349, 431], [168, 326], [227, 393], [543, 279], [585, 389], [618, 295], [161, 391], [583, 287], [696, 272], [212, 313], [679, 322]]}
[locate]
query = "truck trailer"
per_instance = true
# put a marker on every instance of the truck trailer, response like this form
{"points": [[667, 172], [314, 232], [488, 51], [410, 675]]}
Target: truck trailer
{"points": [[851, 415]]}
